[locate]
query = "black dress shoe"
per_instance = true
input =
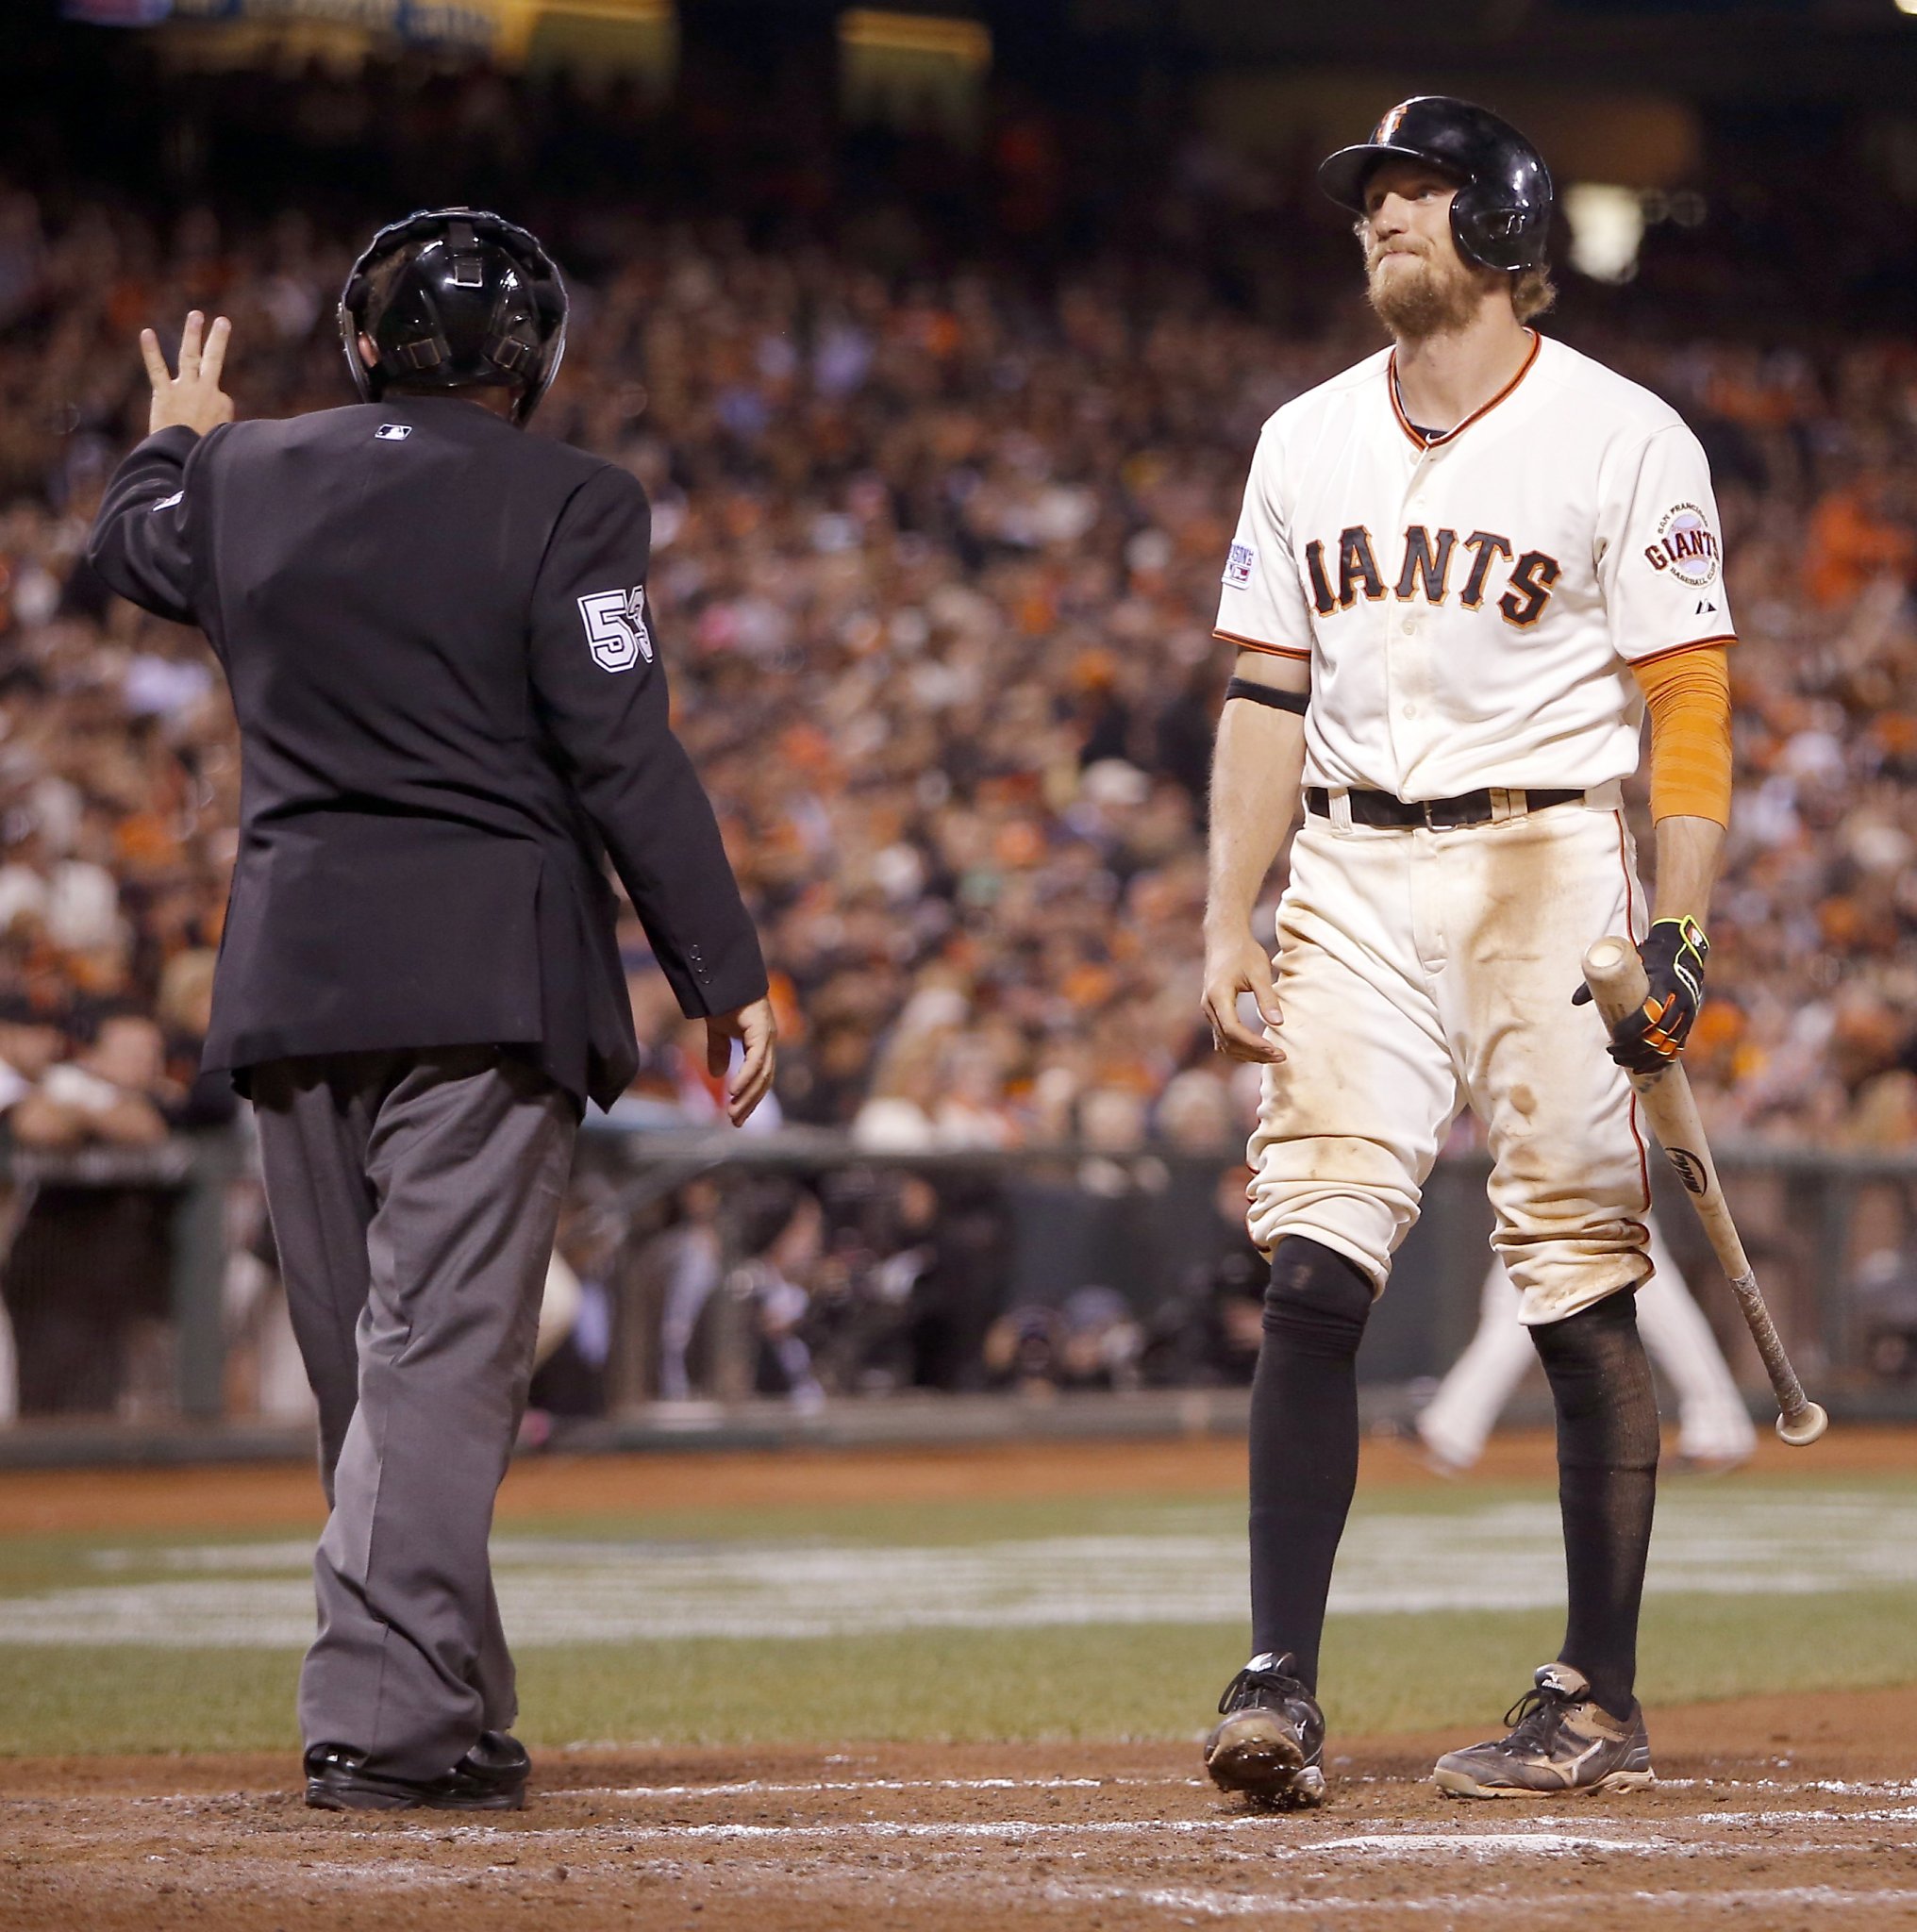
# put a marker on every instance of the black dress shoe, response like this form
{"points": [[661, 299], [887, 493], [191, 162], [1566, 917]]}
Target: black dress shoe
{"points": [[490, 1777]]}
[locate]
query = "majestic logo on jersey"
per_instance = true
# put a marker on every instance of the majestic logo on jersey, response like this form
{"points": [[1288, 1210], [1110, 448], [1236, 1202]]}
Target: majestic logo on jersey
{"points": [[1425, 571], [1686, 546], [393, 432], [1239, 567], [615, 627]]}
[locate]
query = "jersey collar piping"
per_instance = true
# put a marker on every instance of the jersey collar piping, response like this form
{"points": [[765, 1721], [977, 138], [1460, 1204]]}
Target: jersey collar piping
{"points": [[1483, 409]]}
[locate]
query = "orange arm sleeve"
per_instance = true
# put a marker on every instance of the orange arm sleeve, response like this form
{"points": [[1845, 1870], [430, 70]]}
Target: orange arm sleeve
{"points": [[1688, 696]]}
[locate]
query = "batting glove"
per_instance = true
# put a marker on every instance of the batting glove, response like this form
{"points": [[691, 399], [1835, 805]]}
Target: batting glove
{"points": [[1649, 1040]]}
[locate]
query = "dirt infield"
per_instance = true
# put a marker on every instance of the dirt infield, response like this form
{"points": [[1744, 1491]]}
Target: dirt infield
{"points": [[1774, 1812], [252, 1497]]}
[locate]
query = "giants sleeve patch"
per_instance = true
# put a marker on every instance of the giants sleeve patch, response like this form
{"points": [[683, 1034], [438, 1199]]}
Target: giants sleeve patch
{"points": [[615, 627], [1686, 546], [1239, 567]]}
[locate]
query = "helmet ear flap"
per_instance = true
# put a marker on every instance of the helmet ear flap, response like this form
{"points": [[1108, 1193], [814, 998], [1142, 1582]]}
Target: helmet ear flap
{"points": [[1503, 238]]}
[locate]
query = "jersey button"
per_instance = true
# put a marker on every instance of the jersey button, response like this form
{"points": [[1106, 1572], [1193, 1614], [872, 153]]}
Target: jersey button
{"points": [[1409, 711]]}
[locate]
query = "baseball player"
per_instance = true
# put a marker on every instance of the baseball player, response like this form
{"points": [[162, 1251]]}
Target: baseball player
{"points": [[1714, 1431], [1463, 571]]}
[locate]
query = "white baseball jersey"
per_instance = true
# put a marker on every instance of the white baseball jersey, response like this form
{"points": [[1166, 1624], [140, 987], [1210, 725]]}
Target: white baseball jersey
{"points": [[1471, 606]]}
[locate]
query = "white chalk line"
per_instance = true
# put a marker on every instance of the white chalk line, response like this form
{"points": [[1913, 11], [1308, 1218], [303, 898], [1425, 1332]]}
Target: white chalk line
{"points": [[1285, 1839], [1896, 1814], [799, 1787], [1460, 1907], [848, 1829], [755, 1788], [1492, 1844]]}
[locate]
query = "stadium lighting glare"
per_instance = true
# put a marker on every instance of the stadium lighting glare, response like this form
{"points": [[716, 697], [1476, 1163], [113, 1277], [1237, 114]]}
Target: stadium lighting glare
{"points": [[967, 42], [1606, 229]]}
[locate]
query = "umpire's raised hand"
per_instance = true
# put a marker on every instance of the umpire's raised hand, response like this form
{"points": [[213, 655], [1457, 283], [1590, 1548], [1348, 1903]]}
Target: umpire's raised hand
{"points": [[193, 398]]}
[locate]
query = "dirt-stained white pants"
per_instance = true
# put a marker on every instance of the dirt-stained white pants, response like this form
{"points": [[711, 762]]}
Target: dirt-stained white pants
{"points": [[1714, 1425], [1421, 971]]}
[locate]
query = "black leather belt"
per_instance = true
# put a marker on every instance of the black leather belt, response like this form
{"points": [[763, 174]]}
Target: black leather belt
{"points": [[1438, 814]]}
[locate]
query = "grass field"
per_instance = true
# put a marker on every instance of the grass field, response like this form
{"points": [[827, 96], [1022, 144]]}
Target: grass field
{"points": [[1114, 1616]]}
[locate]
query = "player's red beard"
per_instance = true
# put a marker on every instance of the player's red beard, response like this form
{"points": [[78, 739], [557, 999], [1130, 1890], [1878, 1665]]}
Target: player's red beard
{"points": [[1419, 296]]}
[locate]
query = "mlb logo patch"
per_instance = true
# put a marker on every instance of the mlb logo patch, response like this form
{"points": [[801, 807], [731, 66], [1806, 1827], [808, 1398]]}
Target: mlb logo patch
{"points": [[393, 432], [1239, 567]]}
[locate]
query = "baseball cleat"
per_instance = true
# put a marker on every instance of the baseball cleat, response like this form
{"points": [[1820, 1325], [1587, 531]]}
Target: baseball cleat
{"points": [[1269, 1743], [1561, 1739]]}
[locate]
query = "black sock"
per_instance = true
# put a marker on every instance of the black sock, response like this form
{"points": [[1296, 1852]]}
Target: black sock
{"points": [[1304, 1443], [1606, 1484]]}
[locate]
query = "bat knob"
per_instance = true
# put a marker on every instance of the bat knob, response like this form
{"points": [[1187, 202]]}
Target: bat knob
{"points": [[1604, 955], [1804, 1427]]}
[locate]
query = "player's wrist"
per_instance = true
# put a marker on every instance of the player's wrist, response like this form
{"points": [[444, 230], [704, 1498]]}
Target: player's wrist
{"points": [[1225, 931], [1687, 930], [1234, 955]]}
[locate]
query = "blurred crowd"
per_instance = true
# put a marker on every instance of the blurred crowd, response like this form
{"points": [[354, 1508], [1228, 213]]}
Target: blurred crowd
{"points": [[935, 563], [938, 531]]}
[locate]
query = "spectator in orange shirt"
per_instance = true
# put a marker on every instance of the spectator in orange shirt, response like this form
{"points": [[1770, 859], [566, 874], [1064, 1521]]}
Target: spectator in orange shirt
{"points": [[1855, 537]]}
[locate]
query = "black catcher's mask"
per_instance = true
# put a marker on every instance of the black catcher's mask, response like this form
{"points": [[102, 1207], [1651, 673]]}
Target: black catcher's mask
{"points": [[456, 298]]}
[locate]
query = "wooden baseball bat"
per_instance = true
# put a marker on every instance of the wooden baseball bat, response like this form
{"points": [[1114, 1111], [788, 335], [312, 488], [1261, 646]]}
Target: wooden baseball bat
{"points": [[1615, 975]]}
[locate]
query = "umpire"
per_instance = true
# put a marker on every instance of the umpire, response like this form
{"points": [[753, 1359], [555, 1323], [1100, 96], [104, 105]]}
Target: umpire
{"points": [[451, 711]]}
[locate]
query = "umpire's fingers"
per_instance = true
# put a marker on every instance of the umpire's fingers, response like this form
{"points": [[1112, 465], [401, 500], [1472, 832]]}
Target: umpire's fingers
{"points": [[190, 347], [158, 373], [214, 360]]}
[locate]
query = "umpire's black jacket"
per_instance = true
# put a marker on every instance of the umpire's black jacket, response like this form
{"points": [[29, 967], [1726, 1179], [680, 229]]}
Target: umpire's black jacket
{"points": [[450, 707]]}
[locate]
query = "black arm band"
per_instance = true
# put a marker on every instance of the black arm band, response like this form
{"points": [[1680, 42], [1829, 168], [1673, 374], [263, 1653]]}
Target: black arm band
{"points": [[1263, 694]]}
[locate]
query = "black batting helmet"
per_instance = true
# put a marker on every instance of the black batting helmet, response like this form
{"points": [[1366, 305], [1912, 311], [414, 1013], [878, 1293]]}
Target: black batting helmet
{"points": [[456, 298], [1501, 214]]}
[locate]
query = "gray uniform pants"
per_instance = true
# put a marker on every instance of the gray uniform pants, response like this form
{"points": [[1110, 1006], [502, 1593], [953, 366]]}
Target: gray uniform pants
{"points": [[414, 1197]]}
